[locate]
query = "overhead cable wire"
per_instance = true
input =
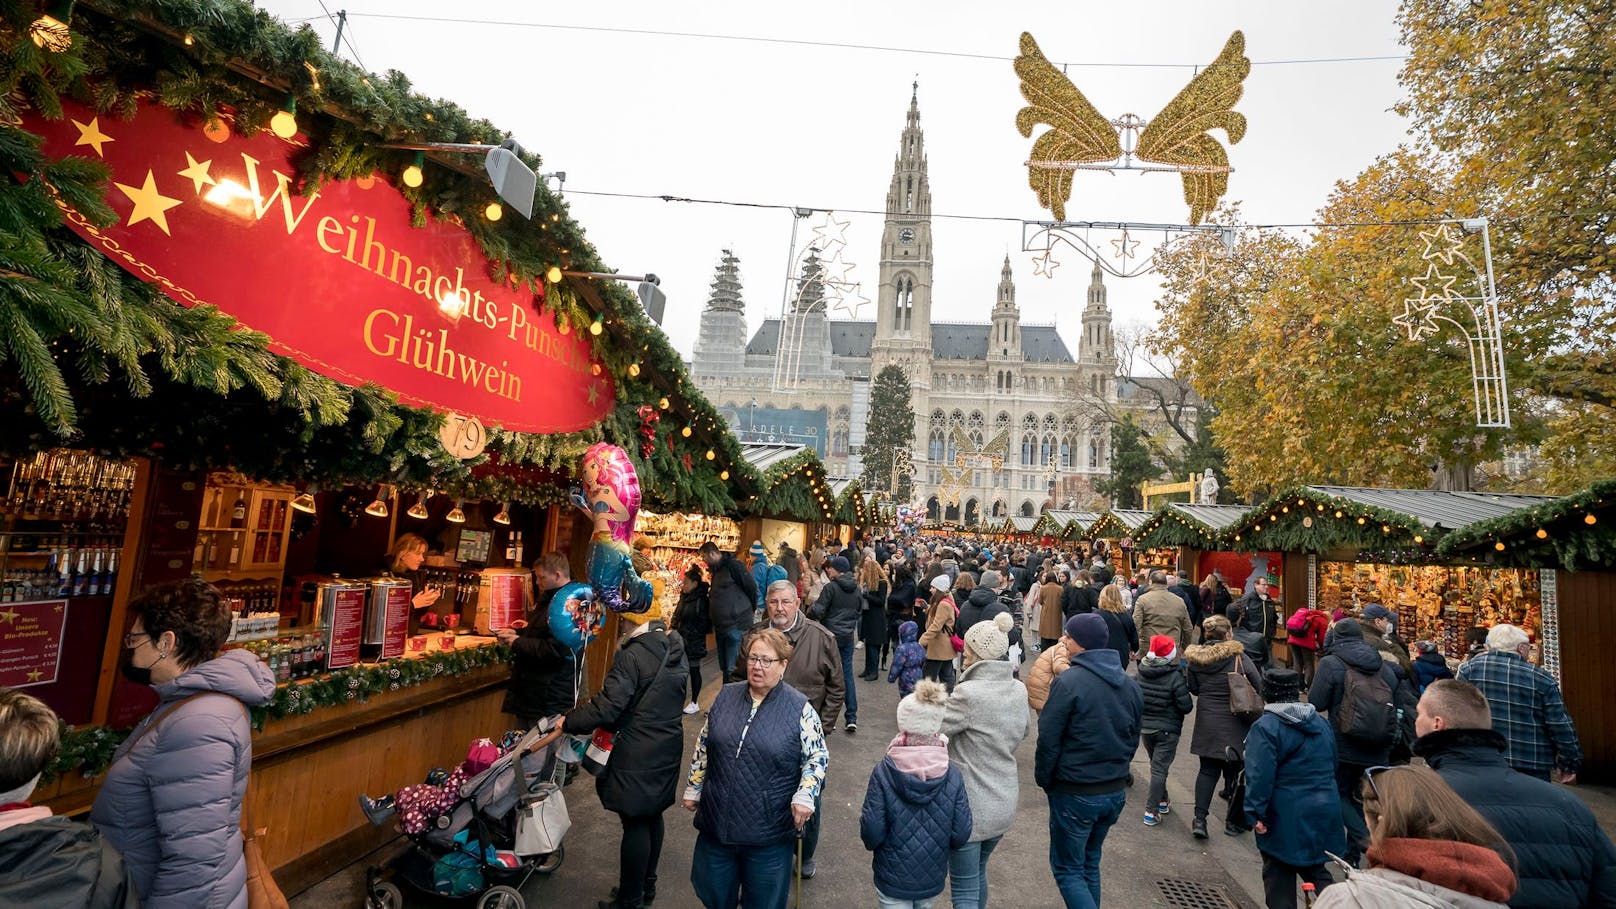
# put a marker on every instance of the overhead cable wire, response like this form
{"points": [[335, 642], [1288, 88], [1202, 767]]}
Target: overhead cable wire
{"points": [[834, 45]]}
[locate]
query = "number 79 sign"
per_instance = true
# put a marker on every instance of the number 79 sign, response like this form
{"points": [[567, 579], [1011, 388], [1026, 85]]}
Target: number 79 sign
{"points": [[463, 437]]}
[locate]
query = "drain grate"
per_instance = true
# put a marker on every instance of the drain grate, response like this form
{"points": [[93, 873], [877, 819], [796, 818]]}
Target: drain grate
{"points": [[1193, 895]]}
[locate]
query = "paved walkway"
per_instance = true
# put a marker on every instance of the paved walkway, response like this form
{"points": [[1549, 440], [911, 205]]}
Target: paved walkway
{"points": [[1137, 858]]}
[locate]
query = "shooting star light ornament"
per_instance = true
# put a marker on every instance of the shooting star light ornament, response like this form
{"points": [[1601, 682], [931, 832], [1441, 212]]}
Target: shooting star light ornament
{"points": [[1045, 264], [1178, 141], [1423, 315]]}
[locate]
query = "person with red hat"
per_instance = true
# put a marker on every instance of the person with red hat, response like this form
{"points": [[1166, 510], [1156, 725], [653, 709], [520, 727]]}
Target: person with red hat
{"points": [[1167, 700]]}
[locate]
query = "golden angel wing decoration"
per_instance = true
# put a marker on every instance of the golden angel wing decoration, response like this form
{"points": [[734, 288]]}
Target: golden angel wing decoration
{"points": [[962, 445], [999, 445], [1078, 133], [1180, 134]]}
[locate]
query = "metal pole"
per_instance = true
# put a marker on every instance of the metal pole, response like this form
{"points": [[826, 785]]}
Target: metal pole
{"points": [[342, 19]]}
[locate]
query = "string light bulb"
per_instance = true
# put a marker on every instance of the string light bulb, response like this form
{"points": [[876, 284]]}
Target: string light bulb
{"points": [[634, 369], [284, 123], [553, 274], [1499, 545], [378, 507], [504, 515], [711, 454], [1589, 519], [723, 475], [456, 515], [1542, 534], [413, 174], [595, 326], [662, 403], [685, 432], [418, 510], [494, 211]]}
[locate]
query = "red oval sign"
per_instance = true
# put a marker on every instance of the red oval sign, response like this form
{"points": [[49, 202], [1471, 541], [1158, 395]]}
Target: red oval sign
{"points": [[338, 279]]}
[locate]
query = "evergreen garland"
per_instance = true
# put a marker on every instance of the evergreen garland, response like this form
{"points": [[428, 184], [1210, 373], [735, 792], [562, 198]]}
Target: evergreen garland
{"points": [[89, 749], [1303, 519], [78, 333], [794, 487], [1567, 539]]}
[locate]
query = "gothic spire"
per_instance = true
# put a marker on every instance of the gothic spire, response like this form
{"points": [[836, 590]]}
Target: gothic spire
{"points": [[811, 286], [726, 286]]}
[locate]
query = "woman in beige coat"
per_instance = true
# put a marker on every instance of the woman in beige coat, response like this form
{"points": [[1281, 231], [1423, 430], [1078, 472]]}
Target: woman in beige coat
{"points": [[1050, 617], [938, 636], [1052, 661]]}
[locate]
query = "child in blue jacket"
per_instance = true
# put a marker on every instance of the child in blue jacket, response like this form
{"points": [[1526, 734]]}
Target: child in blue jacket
{"points": [[915, 808], [908, 660]]}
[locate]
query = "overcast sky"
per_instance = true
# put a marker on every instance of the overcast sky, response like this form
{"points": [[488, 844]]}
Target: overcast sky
{"points": [[750, 121]]}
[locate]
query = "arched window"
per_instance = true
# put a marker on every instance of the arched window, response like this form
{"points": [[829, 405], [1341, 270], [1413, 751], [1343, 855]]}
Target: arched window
{"points": [[934, 445], [1094, 452], [1066, 452], [931, 508], [998, 508], [973, 514], [1027, 509], [1002, 421], [951, 513]]}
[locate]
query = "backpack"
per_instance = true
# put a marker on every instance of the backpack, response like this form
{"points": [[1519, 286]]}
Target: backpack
{"points": [[1297, 623], [1367, 714]]}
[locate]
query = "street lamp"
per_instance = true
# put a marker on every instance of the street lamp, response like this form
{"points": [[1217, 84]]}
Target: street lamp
{"points": [[751, 419]]}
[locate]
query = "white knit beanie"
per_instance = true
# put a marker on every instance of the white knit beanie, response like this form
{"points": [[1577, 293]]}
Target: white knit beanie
{"points": [[991, 640], [921, 713]]}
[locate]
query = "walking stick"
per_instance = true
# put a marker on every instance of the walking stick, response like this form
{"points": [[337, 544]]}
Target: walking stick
{"points": [[799, 869]]}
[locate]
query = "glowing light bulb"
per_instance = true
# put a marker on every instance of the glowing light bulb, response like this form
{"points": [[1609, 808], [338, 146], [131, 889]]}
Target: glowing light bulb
{"points": [[1590, 519], [553, 274], [595, 326], [413, 175], [456, 515], [685, 432], [504, 515], [418, 510], [494, 211], [1499, 545], [711, 454], [1542, 534], [378, 507], [662, 403], [304, 501], [723, 475], [284, 123], [634, 370]]}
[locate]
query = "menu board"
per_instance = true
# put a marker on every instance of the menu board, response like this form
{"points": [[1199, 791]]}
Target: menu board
{"points": [[347, 626], [396, 624], [31, 642], [503, 600]]}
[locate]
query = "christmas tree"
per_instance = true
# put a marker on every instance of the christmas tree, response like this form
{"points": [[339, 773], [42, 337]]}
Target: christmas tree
{"points": [[891, 434]]}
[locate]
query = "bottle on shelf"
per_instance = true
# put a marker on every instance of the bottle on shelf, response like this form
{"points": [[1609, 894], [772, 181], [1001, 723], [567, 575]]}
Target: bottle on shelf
{"points": [[81, 573], [238, 511], [235, 552], [517, 561], [510, 547]]}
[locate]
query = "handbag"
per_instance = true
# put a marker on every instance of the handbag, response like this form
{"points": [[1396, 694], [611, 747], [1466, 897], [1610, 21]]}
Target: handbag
{"points": [[542, 821], [1244, 701]]}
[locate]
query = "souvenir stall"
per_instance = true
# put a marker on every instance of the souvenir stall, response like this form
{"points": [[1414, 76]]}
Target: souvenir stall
{"points": [[1351, 546], [675, 540], [1075, 533], [368, 367], [1180, 534], [852, 508], [1052, 524], [1571, 544], [793, 503], [1116, 527]]}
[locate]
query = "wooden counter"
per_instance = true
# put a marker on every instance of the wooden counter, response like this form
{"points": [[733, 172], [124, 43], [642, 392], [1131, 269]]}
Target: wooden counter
{"points": [[309, 770]]}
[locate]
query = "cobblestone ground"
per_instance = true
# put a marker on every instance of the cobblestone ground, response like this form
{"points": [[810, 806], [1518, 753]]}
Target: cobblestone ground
{"points": [[1137, 858]]}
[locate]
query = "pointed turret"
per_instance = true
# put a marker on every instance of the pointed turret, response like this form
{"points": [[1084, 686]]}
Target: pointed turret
{"points": [[721, 340], [725, 295], [811, 286], [1006, 338], [1097, 351]]}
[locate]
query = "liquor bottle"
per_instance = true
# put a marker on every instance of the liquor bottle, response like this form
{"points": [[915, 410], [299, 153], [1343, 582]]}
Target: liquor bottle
{"points": [[110, 581], [210, 514], [518, 560], [238, 512], [64, 583], [235, 551], [92, 584], [510, 547], [81, 573]]}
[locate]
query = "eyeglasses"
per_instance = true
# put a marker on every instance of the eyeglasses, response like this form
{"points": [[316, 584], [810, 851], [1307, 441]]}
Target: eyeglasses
{"points": [[1369, 774], [132, 639], [765, 662]]}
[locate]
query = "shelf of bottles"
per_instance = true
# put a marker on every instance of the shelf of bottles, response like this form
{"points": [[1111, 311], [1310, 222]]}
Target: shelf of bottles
{"points": [[62, 526], [242, 531]]}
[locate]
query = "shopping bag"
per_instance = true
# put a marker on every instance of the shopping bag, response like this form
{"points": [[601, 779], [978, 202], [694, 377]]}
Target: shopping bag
{"points": [[542, 821], [1244, 701]]}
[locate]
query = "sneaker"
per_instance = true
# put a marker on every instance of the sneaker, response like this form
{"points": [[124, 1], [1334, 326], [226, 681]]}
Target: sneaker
{"points": [[1198, 828], [807, 871], [1151, 820], [1165, 807], [691, 708], [852, 728]]}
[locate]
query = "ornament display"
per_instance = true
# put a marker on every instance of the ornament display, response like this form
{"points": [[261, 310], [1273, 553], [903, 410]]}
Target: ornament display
{"points": [[611, 497]]}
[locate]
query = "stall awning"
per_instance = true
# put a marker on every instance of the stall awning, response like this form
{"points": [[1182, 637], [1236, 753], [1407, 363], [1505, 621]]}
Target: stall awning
{"points": [[1575, 532], [1319, 518], [1055, 522], [791, 483], [1181, 524], [1021, 524], [851, 505]]}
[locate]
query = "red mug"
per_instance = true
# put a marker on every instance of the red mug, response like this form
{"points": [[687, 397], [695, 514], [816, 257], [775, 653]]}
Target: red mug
{"points": [[418, 644], [519, 624], [452, 620], [446, 641]]}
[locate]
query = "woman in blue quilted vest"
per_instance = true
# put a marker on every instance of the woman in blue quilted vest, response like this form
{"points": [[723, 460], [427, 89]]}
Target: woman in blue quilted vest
{"points": [[760, 762]]}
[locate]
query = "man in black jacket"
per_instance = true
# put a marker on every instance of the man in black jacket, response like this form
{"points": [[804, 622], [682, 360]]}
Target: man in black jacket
{"points": [[542, 679], [734, 595], [838, 608], [1254, 617], [1563, 858], [1080, 596], [1353, 755]]}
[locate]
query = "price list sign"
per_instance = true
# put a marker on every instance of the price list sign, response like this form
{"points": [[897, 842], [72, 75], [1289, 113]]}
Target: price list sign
{"points": [[504, 593], [31, 642], [396, 625], [347, 626]]}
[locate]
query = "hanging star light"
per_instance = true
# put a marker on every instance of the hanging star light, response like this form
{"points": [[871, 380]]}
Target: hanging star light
{"points": [[831, 235], [1125, 247], [1045, 264], [1441, 244], [1418, 319]]}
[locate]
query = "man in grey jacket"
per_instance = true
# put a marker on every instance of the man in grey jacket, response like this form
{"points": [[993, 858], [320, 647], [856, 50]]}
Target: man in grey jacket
{"points": [[1157, 611]]}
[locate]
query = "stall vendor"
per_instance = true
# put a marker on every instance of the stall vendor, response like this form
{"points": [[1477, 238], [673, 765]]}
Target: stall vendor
{"points": [[404, 561]]}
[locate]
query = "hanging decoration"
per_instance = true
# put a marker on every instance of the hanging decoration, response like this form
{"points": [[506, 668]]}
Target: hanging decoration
{"points": [[825, 284], [1446, 262], [1177, 141]]}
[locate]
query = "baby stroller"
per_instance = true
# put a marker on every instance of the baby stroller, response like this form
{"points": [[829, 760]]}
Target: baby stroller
{"points": [[468, 852]]}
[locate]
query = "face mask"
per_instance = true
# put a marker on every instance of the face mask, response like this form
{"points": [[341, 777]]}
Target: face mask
{"points": [[140, 675]]}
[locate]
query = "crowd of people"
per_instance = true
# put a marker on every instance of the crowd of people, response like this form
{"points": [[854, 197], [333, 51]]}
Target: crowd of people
{"points": [[1371, 774]]}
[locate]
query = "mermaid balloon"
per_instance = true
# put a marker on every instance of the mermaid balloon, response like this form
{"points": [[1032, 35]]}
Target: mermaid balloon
{"points": [[611, 497]]}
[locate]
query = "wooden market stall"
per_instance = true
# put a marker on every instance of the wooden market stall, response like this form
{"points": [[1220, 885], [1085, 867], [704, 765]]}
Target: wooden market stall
{"points": [[389, 351], [793, 502], [1053, 523], [1571, 542], [1186, 536], [1347, 547], [1116, 527]]}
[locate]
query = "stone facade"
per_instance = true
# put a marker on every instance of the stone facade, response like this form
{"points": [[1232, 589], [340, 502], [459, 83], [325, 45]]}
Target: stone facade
{"points": [[982, 377]]}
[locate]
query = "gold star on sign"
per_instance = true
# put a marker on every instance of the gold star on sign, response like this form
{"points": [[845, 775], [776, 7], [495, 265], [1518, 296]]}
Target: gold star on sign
{"points": [[90, 134], [35, 675], [150, 205], [9, 617], [197, 172], [594, 392]]}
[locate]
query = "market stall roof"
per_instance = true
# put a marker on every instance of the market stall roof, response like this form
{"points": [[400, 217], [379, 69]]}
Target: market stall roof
{"points": [[1182, 524], [791, 482], [1077, 526], [1117, 523], [1054, 522], [851, 505], [1318, 518], [1575, 532], [1021, 524], [234, 68]]}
